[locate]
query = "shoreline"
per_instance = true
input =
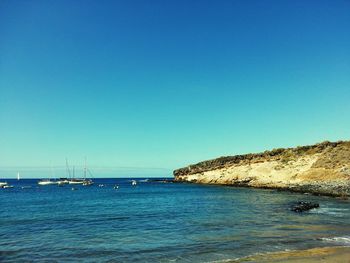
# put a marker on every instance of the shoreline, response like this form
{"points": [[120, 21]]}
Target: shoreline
{"points": [[279, 189], [337, 254]]}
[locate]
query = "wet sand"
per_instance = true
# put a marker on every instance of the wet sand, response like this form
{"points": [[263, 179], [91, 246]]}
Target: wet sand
{"points": [[325, 254]]}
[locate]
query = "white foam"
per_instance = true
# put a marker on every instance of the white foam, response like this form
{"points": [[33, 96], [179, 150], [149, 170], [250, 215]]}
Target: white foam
{"points": [[338, 240], [329, 211], [241, 259]]}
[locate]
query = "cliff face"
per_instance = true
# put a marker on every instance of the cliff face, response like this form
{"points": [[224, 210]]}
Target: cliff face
{"points": [[322, 168]]}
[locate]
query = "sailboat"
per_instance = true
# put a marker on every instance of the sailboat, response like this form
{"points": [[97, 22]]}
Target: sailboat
{"points": [[45, 181], [18, 178], [84, 181], [74, 180], [87, 182], [64, 180], [71, 176]]}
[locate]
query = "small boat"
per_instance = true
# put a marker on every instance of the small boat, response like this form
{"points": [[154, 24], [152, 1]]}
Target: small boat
{"points": [[46, 182], [116, 187], [101, 185], [5, 185], [2, 184], [88, 182], [133, 182]]}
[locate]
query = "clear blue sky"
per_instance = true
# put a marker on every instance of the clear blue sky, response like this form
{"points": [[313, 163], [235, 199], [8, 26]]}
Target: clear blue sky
{"points": [[162, 84]]}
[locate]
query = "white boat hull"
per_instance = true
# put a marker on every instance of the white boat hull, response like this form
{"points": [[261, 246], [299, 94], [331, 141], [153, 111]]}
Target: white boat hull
{"points": [[46, 183], [75, 182]]}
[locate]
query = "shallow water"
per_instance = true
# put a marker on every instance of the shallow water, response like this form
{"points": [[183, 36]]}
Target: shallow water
{"points": [[158, 222]]}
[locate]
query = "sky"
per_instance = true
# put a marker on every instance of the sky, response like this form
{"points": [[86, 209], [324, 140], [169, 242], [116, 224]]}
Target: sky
{"points": [[138, 86]]}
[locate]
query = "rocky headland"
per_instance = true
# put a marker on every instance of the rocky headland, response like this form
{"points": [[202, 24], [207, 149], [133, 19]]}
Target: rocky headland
{"points": [[323, 169]]}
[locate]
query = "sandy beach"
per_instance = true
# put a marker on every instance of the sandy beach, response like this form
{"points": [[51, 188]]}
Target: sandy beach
{"points": [[325, 255]]}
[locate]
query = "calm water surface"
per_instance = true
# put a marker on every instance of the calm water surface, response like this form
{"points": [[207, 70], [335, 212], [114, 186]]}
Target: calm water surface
{"points": [[157, 222]]}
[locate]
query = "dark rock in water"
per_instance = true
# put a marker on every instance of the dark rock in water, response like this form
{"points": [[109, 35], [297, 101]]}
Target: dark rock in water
{"points": [[304, 206]]}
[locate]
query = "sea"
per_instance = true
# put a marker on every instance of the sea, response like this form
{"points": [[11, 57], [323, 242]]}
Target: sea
{"points": [[155, 221]]}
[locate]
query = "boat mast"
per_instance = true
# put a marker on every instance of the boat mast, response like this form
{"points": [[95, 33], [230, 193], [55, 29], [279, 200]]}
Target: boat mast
{"points": [[67, 169], [52, 173], [85, 169]]}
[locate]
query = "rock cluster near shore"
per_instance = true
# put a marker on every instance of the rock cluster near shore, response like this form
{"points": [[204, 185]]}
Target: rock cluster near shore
{"points": [[303, 206], [323, 168]]}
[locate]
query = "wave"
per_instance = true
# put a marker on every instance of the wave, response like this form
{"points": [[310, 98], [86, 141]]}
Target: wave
{"points": [[330, 211], [284, 255], [344, 241]]}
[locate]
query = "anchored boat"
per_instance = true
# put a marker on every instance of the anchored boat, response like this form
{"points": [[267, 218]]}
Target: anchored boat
{"points": [[3, 184], [83, 181], [46, 182]]}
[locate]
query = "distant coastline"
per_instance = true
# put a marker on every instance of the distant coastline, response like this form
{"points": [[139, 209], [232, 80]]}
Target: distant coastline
{"points": [[322, 169]]}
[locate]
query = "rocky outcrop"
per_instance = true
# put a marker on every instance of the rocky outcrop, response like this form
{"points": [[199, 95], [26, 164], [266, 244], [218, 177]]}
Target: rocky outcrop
{"points": [[303, 206], [322, 168]]}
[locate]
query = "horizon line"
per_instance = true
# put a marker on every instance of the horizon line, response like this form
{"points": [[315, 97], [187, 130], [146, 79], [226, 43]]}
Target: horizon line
{"points": [[82, 166]]}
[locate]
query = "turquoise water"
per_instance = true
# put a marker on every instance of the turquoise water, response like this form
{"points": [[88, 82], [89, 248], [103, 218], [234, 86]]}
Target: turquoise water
{"points": [[160, 222]]}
